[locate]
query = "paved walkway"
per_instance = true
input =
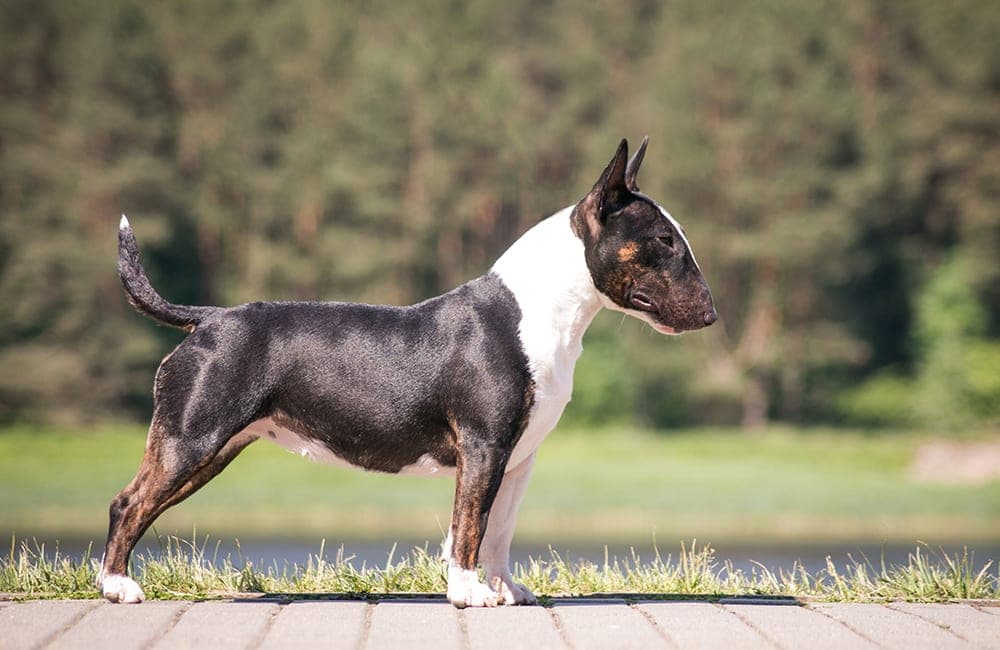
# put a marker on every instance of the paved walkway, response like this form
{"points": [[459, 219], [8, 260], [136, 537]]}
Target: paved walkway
{"points": [[430, 623]]}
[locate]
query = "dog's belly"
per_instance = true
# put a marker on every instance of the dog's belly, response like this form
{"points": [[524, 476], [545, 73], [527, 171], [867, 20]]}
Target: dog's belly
{"points": [[316, 451]]}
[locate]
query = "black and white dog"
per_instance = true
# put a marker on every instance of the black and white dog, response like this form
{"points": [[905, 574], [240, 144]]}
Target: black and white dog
{"points": [[466, 384]]}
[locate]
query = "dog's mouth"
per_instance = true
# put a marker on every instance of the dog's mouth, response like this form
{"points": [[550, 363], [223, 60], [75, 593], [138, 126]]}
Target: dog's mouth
{"points": [[643, 302], [637, 299]]}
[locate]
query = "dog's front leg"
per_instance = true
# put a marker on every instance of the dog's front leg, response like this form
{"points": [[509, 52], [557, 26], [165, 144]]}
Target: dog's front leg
{"points": [[495, 553], [477, 480]]}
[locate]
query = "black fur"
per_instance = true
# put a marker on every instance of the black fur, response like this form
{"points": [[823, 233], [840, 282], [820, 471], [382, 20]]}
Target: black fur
{"points": [[379, 386]]}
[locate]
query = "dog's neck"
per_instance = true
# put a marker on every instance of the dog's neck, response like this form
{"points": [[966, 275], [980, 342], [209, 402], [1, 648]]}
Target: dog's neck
{"points": [[546, 271]]}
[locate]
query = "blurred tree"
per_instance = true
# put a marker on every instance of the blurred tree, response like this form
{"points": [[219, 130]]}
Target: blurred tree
{"points": [[952, 391], [99, 142], [759, 157], [827, 160]]}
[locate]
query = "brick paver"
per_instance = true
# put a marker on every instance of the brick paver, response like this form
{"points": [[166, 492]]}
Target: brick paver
{"points": [[892, 628], [606, 625], [28, 625], [702, 626], [219, 625], [413, 624], [964, 621], [512, 628], [121, 627], [327, 624], [799, 627]]}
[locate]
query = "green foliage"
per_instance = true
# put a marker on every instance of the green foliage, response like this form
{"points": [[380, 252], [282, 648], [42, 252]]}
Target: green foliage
{"points": [[885, 399], [982, 379], [949, 319], [825, 159], [602, 388], [957, 380], [947, 309]]}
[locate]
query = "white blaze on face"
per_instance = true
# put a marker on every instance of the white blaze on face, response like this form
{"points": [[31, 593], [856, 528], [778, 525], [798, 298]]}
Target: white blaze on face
{"points": [[680, 231]]}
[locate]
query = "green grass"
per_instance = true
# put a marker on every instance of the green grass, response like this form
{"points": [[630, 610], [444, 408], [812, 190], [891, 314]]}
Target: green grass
{"points": [[605, 487], [184, 570]]}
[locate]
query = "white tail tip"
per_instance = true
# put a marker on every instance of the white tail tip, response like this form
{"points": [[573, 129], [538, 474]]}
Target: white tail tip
{"points": [[123, 224]]}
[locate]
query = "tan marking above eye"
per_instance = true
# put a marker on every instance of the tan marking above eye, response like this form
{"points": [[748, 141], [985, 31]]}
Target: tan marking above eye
{"points": [[627, 252]]}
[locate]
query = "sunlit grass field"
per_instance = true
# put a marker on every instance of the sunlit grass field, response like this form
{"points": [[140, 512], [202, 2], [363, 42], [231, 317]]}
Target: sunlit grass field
{"points": [[612, 486]]}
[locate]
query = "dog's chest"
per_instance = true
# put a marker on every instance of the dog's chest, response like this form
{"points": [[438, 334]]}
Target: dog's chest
{"points": [[557, 301], [553, 390]]}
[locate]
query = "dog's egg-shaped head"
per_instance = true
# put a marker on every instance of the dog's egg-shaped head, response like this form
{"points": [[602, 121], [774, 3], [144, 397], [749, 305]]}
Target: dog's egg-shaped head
{"points": [[637, 254]]}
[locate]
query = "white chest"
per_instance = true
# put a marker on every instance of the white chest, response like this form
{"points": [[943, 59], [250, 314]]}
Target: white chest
{"points": [[553, 390]]}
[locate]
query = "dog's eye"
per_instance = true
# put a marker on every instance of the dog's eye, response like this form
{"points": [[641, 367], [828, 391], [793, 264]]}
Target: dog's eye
{"points": [[666, 240]]}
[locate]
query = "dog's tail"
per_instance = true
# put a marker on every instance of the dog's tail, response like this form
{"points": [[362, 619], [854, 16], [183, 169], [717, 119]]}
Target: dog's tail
{"points": [[141, 293]]}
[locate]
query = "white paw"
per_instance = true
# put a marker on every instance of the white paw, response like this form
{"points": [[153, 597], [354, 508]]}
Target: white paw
{"points": [[510, 592], [121, 589], [465, 590]]}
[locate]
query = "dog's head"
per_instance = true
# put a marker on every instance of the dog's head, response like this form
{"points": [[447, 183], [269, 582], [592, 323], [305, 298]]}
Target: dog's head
{"points": [[638, 256]]}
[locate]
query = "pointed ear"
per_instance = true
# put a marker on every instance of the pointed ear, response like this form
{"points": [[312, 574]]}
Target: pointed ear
{"points": [[633, 166], [606, 190], [612, 180]]}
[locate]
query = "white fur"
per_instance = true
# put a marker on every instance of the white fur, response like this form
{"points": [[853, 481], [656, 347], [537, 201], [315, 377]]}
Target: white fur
{"points": [[546, 271], [123, 224], [427, 466], [465, 590], [268, 429], [121, 589]]}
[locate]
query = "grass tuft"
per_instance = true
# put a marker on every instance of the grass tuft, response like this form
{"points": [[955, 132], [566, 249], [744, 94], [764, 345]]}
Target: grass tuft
{"points": [[30, 572], [188, 569]]}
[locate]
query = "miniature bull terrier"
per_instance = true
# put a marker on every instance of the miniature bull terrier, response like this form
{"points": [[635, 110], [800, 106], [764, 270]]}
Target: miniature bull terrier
{"points": [[466, 384]]}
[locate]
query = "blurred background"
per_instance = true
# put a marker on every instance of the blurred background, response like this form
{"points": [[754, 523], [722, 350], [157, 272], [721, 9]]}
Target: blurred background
{"points": [[836, 166]]}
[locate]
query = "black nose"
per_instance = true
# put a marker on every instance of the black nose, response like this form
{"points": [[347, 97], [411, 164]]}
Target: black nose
{"points": [[710, 317]]}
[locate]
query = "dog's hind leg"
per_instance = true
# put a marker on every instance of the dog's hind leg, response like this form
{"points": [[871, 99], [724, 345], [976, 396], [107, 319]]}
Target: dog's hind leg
{"points": [[172, 469], [222, 459]]}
